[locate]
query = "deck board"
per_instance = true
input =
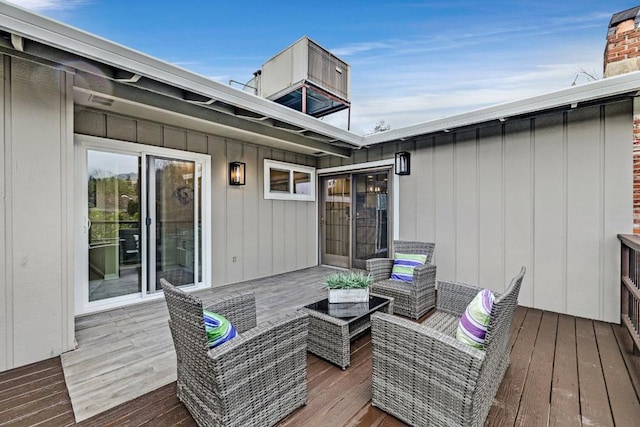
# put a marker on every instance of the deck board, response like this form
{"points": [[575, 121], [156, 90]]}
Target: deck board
{"points": [[505, 408], [35, 394], [594, 402], [564, 371], [565, 403], [534, 404], [625, 408]]}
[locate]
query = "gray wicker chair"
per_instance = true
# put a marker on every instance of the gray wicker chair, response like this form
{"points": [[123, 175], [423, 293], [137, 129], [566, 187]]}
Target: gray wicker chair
{"points": [[410, 299], [255, 379], [424, 376]]}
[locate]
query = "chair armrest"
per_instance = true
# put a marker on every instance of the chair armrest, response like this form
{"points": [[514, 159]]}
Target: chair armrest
{"points": [[268, 351], [424, 276], [239, 308], [379, 268], [454, 297], [403, 350]]}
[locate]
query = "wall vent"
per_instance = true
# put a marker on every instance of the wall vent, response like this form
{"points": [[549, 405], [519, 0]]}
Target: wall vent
{"points": [[101, 100]]}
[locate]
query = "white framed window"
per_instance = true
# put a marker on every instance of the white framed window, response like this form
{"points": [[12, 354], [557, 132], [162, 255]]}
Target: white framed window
{"points": [[288, 181]]}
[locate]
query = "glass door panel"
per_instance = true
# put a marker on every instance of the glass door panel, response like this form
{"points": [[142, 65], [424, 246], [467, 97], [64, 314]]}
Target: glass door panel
{"points": [[371, 227], [114, 239], [335, 220], [174, 240]]}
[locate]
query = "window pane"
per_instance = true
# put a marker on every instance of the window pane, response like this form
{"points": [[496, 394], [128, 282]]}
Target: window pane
{"points": [[279, 180], [301, 183], [114, 231], [175, 221]]}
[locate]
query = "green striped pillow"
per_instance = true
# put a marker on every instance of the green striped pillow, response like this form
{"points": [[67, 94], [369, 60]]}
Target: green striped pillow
{"points": [[218, 328], [403, 266]]}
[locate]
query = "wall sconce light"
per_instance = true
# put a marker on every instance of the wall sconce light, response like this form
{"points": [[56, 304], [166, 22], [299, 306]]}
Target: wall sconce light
{"points": [[236, 173], [403, 163]]}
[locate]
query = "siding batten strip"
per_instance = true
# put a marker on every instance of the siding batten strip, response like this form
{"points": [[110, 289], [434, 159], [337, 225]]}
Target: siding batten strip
{"points": [[532, 147], [503, 168], [477, 147], [565, 208], [455, 204], [602, 174], [66, 208], [8, 185]]}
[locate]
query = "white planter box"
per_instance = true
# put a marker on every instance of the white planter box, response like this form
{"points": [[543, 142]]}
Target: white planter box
{"points": [[348, 295]]}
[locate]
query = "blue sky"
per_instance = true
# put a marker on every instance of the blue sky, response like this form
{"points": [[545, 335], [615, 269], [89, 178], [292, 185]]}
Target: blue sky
{"points": [[411, 61]]}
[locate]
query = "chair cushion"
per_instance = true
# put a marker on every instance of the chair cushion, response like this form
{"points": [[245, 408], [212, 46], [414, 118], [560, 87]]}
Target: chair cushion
{"points": [[473, 324], [403, 265], [218, 328]]}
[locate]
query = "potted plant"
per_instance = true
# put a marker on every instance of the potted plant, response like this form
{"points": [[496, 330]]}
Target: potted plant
{"points": [[348, 287]]}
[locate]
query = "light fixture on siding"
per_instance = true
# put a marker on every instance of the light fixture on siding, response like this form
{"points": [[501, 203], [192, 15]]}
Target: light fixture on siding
{"points": [[236, 173], [403, 163]]}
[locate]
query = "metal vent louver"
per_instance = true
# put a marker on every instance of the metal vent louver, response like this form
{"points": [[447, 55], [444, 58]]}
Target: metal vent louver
{"points": [[327, 71]]}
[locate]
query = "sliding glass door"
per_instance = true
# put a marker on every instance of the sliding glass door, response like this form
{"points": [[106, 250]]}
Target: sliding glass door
{"points": [[173, 221], [354, 218], [142, 221], [335, 220], [371, 229], [113, 212]]}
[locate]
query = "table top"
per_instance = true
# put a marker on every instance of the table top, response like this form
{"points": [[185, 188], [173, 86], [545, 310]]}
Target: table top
{"points": [[349, 312]]}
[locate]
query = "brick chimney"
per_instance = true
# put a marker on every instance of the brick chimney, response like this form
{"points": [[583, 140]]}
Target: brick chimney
{"points": [[622, 52], [622, 55]]}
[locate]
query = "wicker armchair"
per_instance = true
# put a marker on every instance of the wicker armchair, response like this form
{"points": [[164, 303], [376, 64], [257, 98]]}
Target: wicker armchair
{"points": [[424, 376], [255, 379], [410, 299]]}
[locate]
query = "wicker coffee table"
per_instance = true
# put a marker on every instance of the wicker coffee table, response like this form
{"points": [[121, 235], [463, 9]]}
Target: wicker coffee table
{"points": [[333, 326]]}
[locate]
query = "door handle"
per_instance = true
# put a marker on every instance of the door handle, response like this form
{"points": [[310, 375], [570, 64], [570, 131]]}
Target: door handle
{"points": [[321, 221]]}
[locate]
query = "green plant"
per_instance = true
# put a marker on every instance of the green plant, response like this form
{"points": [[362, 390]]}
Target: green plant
{"points": [[350, 280]]}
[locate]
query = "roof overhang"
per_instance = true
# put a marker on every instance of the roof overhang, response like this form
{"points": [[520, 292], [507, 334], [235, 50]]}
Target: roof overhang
{"points": [[32, 35], [612, 87], [145, 85]]}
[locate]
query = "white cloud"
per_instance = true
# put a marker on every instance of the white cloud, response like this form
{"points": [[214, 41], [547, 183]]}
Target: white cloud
{"points": [[434, 75], [40, 5], [355, 48]]}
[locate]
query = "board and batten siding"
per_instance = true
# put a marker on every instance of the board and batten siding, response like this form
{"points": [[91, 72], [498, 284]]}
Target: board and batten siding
{"points": [[251, 237], [36, 215], [549, 192]]}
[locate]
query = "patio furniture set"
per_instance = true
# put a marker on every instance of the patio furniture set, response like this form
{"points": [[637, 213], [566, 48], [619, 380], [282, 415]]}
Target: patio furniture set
{"points": [[422, 374]]}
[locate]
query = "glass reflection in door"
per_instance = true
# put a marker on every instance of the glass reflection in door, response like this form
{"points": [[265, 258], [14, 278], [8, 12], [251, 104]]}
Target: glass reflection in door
{"points": [[114, 225], [371, 227], [173, 205], [336, 220]]}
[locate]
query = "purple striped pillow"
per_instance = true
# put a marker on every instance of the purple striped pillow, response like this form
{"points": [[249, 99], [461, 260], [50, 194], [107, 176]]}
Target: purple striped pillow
{"points": [[474, 322]]}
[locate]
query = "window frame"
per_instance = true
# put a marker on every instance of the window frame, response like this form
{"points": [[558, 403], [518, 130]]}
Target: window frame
{"points": [[291, 168]]}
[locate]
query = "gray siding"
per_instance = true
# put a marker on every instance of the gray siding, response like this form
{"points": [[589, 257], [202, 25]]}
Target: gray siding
{"points": [[550, 193], [266, 237], [36, 320]]}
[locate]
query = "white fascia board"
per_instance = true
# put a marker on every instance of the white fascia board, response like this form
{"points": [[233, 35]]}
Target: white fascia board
{"points": [[22, 22], [566, 97]]}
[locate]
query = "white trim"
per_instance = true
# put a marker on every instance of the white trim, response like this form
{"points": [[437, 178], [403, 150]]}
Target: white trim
{"points": [[395, 188], [82, 144], [357, 166], [290, 168]]}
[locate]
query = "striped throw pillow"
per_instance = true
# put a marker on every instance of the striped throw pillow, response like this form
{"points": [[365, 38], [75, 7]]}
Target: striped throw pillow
{"points": [[473, 324], [403, 266], [218, 328]]}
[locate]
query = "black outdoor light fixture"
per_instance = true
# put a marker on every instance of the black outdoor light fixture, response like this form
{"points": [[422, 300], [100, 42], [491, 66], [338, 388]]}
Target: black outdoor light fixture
{"points": [[403, 163], [236, 173]]}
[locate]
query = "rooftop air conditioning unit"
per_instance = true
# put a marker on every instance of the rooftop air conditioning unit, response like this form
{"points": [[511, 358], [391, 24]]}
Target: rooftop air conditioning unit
{"points": [[305, 77]]}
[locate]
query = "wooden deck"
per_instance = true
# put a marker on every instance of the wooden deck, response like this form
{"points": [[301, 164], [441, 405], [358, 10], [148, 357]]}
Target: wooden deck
{"points": [[564, 371]]}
